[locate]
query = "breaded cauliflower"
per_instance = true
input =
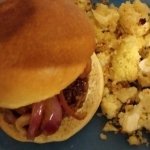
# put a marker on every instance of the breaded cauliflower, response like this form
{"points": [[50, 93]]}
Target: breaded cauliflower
{"points": [[106, 91], [144, 97], [109, 127], [144, 65], [106, 41], [110, 106], [147, 40], [107, 17], [144, 72], [134, 140], [144, 80], [134, 18], [126, 94], [138, 139], [145, 121], [129, 120], [104, 58], [125, 61]]}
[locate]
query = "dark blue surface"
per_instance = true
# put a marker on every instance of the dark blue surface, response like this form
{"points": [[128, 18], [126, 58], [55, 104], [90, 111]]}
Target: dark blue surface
{"points": [[118, 2], [86, 139]]}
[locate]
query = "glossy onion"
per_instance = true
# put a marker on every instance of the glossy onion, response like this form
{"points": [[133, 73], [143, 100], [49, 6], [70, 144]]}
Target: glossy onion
{"points": [[69, 111], [35, 120], [52, 116]]}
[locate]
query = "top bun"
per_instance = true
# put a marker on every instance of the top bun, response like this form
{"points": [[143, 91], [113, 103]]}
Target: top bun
{"points": [[45, 45]]}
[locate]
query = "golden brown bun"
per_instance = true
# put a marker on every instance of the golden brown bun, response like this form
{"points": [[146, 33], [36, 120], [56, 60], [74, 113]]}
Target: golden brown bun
{"points": [[69, 125], [45, 45]]}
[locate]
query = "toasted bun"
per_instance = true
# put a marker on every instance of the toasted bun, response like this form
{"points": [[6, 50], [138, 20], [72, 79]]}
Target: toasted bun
{"points": [[69, 125], [45, 45]]}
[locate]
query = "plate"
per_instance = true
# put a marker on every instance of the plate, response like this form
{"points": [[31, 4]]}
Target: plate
{"points": [[87, 139]]}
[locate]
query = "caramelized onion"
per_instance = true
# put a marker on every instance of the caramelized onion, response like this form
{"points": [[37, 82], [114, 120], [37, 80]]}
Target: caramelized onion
{"points": [[35, 120], [68, 109], [9, 117], [52, 116]]}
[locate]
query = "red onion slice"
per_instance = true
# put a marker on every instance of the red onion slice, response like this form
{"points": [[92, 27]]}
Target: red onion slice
{"points": [[35, 120], [9, 117], [69, 110], [52, 116]]}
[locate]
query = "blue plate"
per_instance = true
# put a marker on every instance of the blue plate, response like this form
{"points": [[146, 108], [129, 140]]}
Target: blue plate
{"points": [[87, 139]]}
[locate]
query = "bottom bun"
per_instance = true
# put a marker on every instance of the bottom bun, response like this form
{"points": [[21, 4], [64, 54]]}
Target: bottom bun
{"points": [[69, 125]]}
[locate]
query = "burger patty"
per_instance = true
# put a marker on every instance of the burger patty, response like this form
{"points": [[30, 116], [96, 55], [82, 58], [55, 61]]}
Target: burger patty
{"points": [[76, 92]]}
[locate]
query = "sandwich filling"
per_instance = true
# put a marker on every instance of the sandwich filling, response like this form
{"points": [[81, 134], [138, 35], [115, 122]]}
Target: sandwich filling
{"points": [[45, 117]]}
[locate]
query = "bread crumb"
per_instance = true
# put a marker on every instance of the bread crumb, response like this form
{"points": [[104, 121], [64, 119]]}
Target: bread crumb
{"points": [[110, 127], [103, 136], [134, 140]]}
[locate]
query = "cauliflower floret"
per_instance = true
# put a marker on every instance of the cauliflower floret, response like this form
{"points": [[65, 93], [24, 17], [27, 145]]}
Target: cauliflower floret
{"points": [[134, 140], [147, 41], [134, 18], [144, 73], [106, 41], [130, 119], [104, 58], [125, 61], [110, 127], [125, 94], [145, 121], [144, 65], [106, 91], [107, 17], [144, 80], [144, 97], [147, 124], [141, 7], [110, 106], [138, 139]]}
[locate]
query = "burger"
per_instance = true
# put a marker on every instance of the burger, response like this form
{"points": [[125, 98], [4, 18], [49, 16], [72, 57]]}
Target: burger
{"points": [[51, 82]]}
